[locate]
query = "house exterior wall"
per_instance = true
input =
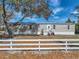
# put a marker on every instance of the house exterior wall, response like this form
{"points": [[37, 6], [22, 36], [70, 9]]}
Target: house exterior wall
{"points": [[57, 29], [63, 30], [42, 28]]}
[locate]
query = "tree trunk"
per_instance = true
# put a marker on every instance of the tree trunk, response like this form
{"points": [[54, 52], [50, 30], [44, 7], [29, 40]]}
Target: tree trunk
{"points": [[5, 21]]}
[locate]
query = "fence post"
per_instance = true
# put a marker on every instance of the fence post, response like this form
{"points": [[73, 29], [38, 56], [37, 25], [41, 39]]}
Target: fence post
{"points": [[10, 43], [39, 45], [66, 46]]}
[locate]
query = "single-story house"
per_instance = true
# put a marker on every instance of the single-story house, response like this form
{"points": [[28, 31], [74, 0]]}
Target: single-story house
{"points": [[40, 26], [48, 29], [57, 29]]}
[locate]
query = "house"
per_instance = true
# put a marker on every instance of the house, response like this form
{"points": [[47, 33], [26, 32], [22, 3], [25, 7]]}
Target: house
{"points": [[46, 29], [56, 29], [40, 26]]}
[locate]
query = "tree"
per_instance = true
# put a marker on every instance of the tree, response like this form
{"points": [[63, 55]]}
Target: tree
{"points": [[27, 7], [4, 19], [43, 9], [39, 7], [68, 20], [77, 8], [77, 15], [1, 12]]}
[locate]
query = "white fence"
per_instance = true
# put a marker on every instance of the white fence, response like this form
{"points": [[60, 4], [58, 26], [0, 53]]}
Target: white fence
{"points": [[39, 44]]}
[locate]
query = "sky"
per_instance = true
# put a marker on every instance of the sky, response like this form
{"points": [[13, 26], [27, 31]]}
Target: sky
{"points": [[62, 10]]}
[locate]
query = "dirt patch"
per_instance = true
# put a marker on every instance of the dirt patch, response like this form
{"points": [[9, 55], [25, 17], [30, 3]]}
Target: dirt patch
{"points": [[48, 37], [32, 55]]}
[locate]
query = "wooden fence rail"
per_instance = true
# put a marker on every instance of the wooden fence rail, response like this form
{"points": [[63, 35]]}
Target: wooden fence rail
{"points": [[39, 44]]}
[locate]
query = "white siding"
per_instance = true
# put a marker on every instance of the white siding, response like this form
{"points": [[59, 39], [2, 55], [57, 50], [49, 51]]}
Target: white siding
{"points": [[64, 33], [60, 29]]}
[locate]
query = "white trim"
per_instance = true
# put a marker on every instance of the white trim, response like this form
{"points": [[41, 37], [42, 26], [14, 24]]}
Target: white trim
{"points": [[64, 33]]}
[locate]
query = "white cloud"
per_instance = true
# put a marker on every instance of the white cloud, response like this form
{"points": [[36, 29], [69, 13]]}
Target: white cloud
{"points": [[55, 2], [56, 17], [56, 10], [75, 12]]}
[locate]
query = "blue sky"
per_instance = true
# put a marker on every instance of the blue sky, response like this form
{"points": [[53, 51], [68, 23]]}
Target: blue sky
{"points": [[62, 9]]}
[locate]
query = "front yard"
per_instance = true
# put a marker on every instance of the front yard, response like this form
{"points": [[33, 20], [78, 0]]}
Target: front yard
{"points": [[32, 55], [47, 37]]}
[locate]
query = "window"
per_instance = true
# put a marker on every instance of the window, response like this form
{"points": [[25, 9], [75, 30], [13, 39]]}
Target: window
{"points": [[30, 27], [68, 27], [53, 26], [48, 27]]}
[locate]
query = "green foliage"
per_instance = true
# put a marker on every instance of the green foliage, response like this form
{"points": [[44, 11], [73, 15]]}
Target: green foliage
{"points": [[73, 22], [77, 26], [42, 9], [77, 8], [69, 21], [29, 7], [1, 9]]}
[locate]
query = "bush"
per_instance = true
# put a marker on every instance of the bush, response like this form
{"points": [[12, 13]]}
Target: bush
{"points": [[77, 28]]}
